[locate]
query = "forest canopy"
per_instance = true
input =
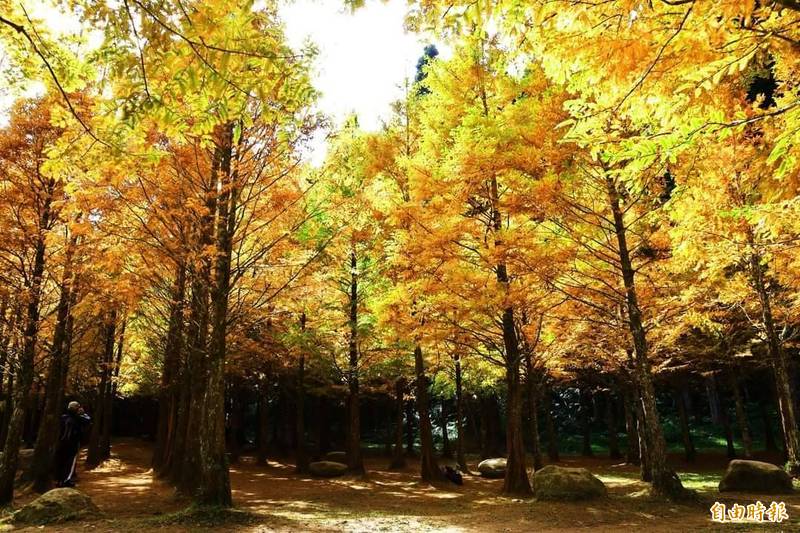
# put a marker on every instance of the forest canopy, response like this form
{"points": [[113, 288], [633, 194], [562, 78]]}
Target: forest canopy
{"points": [[577, 214]]}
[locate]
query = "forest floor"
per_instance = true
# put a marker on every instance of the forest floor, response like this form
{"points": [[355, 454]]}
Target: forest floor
{"points": [[273, 498]]}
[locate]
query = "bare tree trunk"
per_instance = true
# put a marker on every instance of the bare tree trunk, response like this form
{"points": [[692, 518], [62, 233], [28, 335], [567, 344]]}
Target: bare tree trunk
{"points": [[516, 479], [611, 422], [713, 399], [410, 429], [780, 365], [683, 417], [44, 452], [665, 481], [187, 471], [93, 451], [645, 470], [586, 427], [169, 395], [234, 404], [215, 486], [9, 462], [769, 437], [533, 410], [741, 416], [632, 449], [429, 469], [398, 458], [301, 454], [105, 436], [730, 450], [355, 461], [550, 426], [486, 433], [460, 457], [446, 451], [262, 439]]}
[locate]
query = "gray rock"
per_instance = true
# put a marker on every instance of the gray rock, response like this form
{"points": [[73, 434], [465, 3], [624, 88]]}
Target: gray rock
{"points": [[566, 484], [336, 457], [57, 505], [755, 476], [327, 469], [493, 468]]}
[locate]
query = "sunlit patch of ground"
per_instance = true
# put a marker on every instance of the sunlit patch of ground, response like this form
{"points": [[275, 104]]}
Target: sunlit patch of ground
{"points": [[274, 498]]}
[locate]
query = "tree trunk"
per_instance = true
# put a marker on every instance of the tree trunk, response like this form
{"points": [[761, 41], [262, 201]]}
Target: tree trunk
{"points": [[713, 400], [187, 470], [741, 416], [233, 445], [262, 439], [611, 422], [9, 462], [446, 451], [398, 459], [769, 436], [686, 435], [532, 388], [105, 436], [632, 449], [301, 454], [550, 426], [460, 457], [429, 469], [169, 394], [355, 462], [516, 478], [730, 450], [586, 426], [485, 431], [780, 365], [645, 470], [93, 451], [215, 486], [44, 452], [665, 481], [410, 429]]}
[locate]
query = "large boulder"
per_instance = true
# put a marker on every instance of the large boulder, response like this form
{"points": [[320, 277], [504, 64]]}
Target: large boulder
{"points": [[327, 469], [336, 457], [57, 505], [493, 468], [755, 476], [567, 484]]}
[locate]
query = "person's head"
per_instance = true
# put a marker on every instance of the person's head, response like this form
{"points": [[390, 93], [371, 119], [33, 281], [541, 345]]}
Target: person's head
{"points": [[73, 407]]}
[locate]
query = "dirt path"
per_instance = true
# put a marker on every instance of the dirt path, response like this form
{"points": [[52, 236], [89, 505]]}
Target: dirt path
{"points": [[275, 499]]}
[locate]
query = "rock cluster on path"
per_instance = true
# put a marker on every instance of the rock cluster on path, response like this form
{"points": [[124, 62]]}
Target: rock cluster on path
{"points": [[755, 476], [57, 505], [327, 469], [493, 468], [566, 484]]}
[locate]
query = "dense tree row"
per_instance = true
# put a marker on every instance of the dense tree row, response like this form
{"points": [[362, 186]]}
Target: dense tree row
{"points": [[584, 204]]}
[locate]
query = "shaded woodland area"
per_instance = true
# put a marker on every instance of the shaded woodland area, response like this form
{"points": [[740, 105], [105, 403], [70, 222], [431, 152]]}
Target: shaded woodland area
{"points": [[576, 236]]}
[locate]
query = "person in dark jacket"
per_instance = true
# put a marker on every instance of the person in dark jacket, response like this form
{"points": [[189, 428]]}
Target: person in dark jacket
{"points": [[73, 422]]}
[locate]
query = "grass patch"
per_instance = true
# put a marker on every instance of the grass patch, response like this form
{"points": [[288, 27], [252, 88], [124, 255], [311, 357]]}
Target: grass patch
{"points": [[700, 481], [206, 516]]}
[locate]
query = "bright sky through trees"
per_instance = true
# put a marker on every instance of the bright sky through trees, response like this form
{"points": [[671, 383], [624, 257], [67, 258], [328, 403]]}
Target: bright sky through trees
{"points": [[364, 57]]}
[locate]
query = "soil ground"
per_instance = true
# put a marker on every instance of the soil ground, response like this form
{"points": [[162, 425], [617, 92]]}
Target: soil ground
{"points": [[274, 498]]}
